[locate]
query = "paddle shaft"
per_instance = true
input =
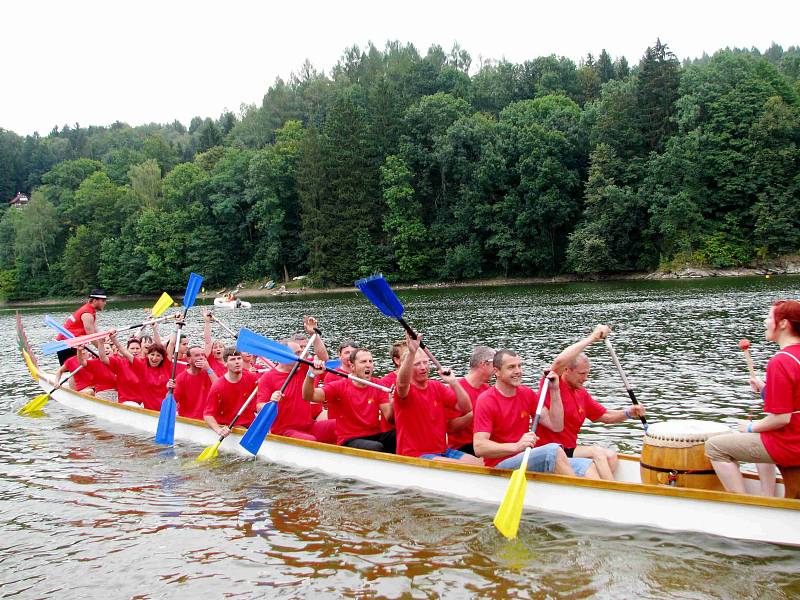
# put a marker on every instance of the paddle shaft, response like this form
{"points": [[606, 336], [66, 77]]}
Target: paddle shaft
{"points": [[628, 389], [65, 380], [536, 418], [300, 359], [413, 335]]}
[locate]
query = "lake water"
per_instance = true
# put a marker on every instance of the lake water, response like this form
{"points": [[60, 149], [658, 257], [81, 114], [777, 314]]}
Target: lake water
{"points": [[95, 511]]}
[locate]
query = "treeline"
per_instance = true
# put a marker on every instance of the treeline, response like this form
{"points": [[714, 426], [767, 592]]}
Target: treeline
{"points": [[406, 164]]}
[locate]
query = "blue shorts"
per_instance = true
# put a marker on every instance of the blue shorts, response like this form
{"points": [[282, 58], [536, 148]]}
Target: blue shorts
{"points": [[449, 453], [543, 460]]}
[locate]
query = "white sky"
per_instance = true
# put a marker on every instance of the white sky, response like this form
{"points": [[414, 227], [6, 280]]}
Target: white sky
{"points": [[98, 61]]}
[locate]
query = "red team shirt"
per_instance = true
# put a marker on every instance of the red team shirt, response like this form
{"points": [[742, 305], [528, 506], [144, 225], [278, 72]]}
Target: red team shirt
{"points": [[421, 419], [578, 406], [152, 382], [191, 392], [217, 366], [505, 419], [82, 379], [103, 378], [356, 408], [463, 436], [782, 395], [293, 411], [225, 399], [127, 380]]}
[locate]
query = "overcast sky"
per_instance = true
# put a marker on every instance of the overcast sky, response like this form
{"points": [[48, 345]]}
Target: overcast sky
{"points": [[95, 62]]}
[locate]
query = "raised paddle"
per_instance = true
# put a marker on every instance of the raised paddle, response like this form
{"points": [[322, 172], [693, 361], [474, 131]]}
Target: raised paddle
{"points": [[58, 345], [165, 431], [628, 389], [510, 511], [257, 432], [234, 335], [250, 341], [213, 451], [377, 291]]}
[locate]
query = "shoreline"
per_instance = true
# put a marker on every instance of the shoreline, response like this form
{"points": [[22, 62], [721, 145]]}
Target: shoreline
{"points": [[789, 267]]}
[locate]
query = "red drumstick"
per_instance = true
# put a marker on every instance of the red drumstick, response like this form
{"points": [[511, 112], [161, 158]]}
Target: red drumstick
{"points": [[744, 345]]}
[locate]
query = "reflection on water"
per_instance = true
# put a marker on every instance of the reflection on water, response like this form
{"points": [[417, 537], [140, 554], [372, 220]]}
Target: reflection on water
{"points": [[100, 511]]}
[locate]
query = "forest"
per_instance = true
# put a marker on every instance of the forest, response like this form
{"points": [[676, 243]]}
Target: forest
{"points": [[423, 167]]}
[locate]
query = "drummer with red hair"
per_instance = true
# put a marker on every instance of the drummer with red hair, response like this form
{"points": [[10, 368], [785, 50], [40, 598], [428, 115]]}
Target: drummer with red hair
{"points": [[775, 438]]}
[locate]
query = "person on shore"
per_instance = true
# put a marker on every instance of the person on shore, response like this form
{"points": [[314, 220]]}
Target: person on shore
{"points": [[296, 416], [775, 438], [356, 404], [421, 405], [153, 370], [502, 423], [191, 387], [475, 382], [83, 321], [572, 366], [104, 379], [228, 393]]}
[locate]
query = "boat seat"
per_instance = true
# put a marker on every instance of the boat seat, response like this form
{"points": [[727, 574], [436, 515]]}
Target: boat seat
{"points": [[791, 482]]}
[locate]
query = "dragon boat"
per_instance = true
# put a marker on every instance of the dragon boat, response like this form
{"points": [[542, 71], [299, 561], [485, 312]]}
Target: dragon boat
{"points": [[625, 501]]}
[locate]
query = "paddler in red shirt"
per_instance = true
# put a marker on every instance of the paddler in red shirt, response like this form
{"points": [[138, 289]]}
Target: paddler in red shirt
{"points": [[573, 366], [420, 408], [83, 321], [228, 393], [356, 404], [104, 379], [192, 386], [475, 382], [296, 416]]}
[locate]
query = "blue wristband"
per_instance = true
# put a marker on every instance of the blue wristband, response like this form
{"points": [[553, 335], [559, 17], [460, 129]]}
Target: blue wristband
{"points": [[310, 375], [627, 414], [750, 427], [210, 371]]}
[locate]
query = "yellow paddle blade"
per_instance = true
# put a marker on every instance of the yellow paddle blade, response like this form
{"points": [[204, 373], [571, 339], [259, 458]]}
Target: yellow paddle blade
{"points": [[29, 363], [510, 512], [34, 405], [162, 304], [208, 453]]}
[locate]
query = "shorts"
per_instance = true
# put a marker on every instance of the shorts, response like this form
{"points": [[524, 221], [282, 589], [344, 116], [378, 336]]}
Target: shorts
{"points": [[580, 465], [110, 395], [449, 453], [735, 447]]}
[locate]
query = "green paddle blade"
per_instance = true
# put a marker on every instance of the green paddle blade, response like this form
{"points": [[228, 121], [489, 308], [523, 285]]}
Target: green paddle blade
{"points": [[34, 405], [510, 512], [209, 453]]}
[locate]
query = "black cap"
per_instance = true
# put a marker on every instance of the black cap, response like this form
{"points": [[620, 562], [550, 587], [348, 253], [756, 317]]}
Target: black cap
{"points": [[98, 293]]}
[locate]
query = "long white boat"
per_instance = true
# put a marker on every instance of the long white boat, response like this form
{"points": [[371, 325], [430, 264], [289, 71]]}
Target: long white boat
{"points": [[626, 501]]}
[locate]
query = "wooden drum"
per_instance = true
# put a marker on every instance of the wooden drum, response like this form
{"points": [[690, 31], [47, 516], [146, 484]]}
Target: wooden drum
{"points": [[674, 454]]}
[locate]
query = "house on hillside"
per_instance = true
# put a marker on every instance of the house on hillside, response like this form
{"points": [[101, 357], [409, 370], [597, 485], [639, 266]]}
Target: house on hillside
{"points": [[19, 200]]}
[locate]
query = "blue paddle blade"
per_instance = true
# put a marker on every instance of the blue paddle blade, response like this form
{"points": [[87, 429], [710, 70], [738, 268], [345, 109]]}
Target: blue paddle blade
{"points": [[165, 432], [250, 341], [53, 324], [53, 347], [333, 364], [195, 281], [254, 437], [377, 291]]}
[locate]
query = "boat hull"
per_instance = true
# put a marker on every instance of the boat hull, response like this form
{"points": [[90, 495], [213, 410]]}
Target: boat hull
{"points": [[626, 502], [232, 304]]}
